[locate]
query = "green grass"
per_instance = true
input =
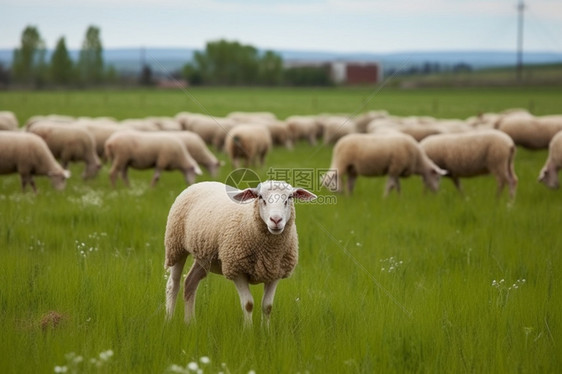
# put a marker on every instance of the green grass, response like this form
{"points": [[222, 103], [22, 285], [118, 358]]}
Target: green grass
{"points": [[436, 310]]}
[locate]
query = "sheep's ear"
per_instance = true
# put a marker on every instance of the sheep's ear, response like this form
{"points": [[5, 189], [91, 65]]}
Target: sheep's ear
{"points": [[302, 194], [245, 195]]}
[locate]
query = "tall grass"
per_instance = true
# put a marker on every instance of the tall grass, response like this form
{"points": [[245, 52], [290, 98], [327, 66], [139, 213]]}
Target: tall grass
{"points": [[402, 284]]}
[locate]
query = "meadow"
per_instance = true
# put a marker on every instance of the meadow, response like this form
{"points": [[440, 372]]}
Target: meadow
{"points": [[415, 282]]}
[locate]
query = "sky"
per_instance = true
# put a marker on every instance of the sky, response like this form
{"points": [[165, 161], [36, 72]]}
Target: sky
{"points": [[371, 26]]}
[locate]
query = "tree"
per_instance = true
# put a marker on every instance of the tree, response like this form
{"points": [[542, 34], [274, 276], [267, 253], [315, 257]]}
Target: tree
{"points": [[271, 69], [232, 63], [61, 64], [29, 60], [90, 63]]}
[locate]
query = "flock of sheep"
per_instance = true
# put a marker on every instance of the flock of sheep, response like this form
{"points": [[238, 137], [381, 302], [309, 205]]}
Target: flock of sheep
{"points": [[372, 144], [258, 241]]}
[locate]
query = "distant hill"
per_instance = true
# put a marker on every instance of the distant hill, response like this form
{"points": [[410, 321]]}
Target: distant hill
{"points": [[168, 60]]}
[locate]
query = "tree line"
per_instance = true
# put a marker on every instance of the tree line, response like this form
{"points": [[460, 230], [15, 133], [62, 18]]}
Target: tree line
{"points": [[30, 67], [224, 63]]}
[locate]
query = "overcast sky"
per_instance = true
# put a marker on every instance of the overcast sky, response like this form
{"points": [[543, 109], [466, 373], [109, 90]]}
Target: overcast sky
{"points": [[374, 26]]}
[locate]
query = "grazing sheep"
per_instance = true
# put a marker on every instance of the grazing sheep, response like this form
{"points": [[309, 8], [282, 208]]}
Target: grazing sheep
{"points": [[248, 242], [280, 134], [69, 144], [144, 150], [529, 131], [474, 153], [208, 127], [370, 155], [101, 131], [8, 121], [28, 155], [549, 173], [336, 127], [304, 127], [198, 150], [252, 116], [248, 142], [363, 120], [60, 118]]}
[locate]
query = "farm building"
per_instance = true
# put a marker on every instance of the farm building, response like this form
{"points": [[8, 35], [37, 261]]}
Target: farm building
{"points": [[345, 72]]}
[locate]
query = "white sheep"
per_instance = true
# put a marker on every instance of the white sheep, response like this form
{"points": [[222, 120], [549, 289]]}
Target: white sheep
{"points": [[529, 131], [248, 142], [28, 155], [336, 127], [8, 121], [304, 127], [198, 150], [474, 153], [252, 116], [144, 150], [69, 144], [101, 131], [247, 236], [395, 155], [549, 173]]}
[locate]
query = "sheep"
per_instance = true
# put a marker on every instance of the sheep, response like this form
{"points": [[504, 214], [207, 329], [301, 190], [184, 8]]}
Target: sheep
{"points": [[248, 142], [474, 153], [8, 121], [208, 127], [364, 119], [198, 150], [395, 155], [248, 242], [280, 134], [336, 127], [252, 116], [549, 173], [142, 150], [529, 131], [304, 127], [101, 131], [28, 155], [69, 143]]}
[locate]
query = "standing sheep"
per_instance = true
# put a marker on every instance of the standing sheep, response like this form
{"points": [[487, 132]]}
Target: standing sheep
{"points": [[248, 242], [8, 121], [549, 173], [28, 155], [248, 142], [144, 150], [69, 143], [198, 150], [397, 155], [474, 153], [529, 131]]}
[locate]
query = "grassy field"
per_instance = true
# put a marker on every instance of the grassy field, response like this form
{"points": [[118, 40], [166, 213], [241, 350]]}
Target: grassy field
{"points": [[410, 283]]}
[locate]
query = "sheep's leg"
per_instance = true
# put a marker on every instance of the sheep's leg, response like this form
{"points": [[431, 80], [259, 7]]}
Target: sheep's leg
{"points": [[156, 177], [392, 182], [246, 299], [113, 175], [351, 178], [457, 183], [196, 273], [173, 286], [125, 176], [501, 185], [267, 301]]}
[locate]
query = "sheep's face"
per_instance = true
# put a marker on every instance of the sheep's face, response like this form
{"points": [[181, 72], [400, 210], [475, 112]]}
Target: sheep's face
{"points": [[275, 202], [433, 177], [58, 179], [549, 178]]}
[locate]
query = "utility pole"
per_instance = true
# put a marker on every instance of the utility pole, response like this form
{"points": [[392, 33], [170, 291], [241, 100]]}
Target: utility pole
{"points": [[520, 10]]}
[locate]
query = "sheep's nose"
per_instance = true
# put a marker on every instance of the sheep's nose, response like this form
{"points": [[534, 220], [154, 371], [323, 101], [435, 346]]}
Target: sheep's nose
{"points": [[276, 219]]}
